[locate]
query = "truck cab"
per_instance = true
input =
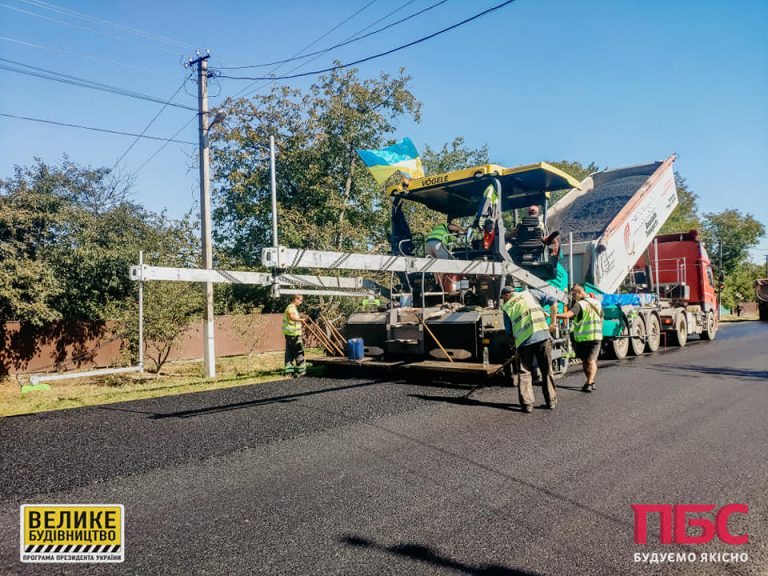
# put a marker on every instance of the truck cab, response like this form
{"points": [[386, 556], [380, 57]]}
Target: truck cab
{"points": [[685, 273]]}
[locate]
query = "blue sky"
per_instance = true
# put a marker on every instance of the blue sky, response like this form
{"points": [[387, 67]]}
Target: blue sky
{"points": [[617, 83]]}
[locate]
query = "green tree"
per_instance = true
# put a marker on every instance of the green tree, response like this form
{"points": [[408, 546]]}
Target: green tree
{"points": [[42, 209], [169, 307], [453, 156], [685, 216], [326, 198], [729, 235], [740, 284]]}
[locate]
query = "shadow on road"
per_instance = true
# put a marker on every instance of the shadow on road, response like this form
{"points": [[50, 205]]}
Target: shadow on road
{"points": [[286, 398], [421, 553], [737, 372], [464, 401]]}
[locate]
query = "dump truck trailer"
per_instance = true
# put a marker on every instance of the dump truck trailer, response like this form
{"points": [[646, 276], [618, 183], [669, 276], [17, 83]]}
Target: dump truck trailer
{"points": [[655, 288]]}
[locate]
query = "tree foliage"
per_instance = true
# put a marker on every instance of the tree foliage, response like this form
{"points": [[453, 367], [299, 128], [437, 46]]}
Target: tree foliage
{"points": [[326, 198], [740, 284], [729, 235], [685, 216]]}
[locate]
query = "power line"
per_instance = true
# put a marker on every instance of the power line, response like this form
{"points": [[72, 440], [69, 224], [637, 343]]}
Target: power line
{"points": [[78, 27], [374, 56], [83, 83], [347, 19], [307, 62], [44, 121], [89, 18], [124, 154], [148, 160], [353, 38], [84, 55]]}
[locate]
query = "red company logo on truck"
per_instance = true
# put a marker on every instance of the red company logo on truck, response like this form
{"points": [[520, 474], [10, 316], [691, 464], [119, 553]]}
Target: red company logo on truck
{"points": [[674, 521], [628, 244]]}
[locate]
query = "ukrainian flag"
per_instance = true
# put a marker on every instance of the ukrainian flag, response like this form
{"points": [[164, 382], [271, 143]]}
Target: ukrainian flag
{"points": [[400, 157]]}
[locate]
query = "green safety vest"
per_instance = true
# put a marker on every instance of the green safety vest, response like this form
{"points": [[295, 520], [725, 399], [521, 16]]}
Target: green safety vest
{"points": [[291, 327], [526, 316], [440, 233], [490, 193], [590, 327]]}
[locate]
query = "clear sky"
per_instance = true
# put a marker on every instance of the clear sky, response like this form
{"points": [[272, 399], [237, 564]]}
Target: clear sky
{"points": [[615, 82]]}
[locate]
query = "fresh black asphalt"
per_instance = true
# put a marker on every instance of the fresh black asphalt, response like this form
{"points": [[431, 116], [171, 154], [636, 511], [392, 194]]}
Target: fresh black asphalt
{"points": [[367, 476]]}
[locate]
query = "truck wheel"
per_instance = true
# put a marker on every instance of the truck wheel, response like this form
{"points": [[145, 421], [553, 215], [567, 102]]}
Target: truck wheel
{"points": [[763, 309], [637, 342], [679, 335], [617, 348], [653, 334], [710, 330]]}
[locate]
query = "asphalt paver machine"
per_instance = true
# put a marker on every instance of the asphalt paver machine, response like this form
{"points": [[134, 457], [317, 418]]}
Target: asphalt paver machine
{"points": [[444, 315]]}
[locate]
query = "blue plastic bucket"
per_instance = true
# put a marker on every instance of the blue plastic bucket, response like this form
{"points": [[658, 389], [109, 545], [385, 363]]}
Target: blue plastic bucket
{"points": [[355, 349]]}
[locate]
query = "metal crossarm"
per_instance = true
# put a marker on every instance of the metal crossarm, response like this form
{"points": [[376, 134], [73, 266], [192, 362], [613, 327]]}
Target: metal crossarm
{"points": [[287, 258], [146, 273]]}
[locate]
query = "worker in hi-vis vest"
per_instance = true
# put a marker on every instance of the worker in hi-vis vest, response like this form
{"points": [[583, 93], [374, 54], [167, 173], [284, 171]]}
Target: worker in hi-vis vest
{"points": [[587, 313], [294, 347], [438, 242], [527, 324]]}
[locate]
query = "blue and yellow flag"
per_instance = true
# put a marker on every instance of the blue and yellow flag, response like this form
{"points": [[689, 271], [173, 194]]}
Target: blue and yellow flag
{"points": [[400, 157]]}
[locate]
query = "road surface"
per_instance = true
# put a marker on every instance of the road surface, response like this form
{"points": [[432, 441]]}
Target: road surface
{"points": [[355, 477]]}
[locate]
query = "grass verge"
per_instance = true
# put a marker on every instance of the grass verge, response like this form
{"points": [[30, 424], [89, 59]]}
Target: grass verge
{"points": [[175, 378]]}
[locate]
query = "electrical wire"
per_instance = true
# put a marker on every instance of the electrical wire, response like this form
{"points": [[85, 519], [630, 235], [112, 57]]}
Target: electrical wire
{"points": [[84, 55], [347, 19], [83, 83], [148, 160], [353, 38], [368, 58], [307, 62], [78, 27], [44, 121], [147, 127], [89, 18]]}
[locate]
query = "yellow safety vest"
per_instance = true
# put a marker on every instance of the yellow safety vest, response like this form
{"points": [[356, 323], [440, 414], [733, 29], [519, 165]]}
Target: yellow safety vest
{"points": [[291, 327], [590, 327], [526, 316], [440, 233]]}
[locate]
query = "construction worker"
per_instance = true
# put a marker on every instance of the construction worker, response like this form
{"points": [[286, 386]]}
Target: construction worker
{"points": [[440, 238], [294, 347], [587, 332], [438, 242], [550, 240], [370, 303], [528, 325]]}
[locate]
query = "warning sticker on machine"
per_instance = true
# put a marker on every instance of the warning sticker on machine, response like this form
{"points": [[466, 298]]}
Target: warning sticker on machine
{"points": [[72, 533]]}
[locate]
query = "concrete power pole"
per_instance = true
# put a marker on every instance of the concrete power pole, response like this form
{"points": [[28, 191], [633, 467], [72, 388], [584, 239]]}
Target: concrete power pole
{"points": [[209, 354]]}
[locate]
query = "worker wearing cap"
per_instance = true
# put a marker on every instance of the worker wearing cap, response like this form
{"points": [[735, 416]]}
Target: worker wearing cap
{"points": [[531, 335], [294, 347], [587, 332]]}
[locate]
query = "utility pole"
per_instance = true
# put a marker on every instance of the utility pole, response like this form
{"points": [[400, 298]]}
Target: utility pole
{"points": [[209, 354]]}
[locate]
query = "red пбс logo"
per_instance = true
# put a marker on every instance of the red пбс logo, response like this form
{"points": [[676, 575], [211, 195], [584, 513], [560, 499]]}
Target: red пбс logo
{"points": [[674, 523]]}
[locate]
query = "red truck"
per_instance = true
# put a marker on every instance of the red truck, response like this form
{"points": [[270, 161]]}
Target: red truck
{"points": [[685, 282]]}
